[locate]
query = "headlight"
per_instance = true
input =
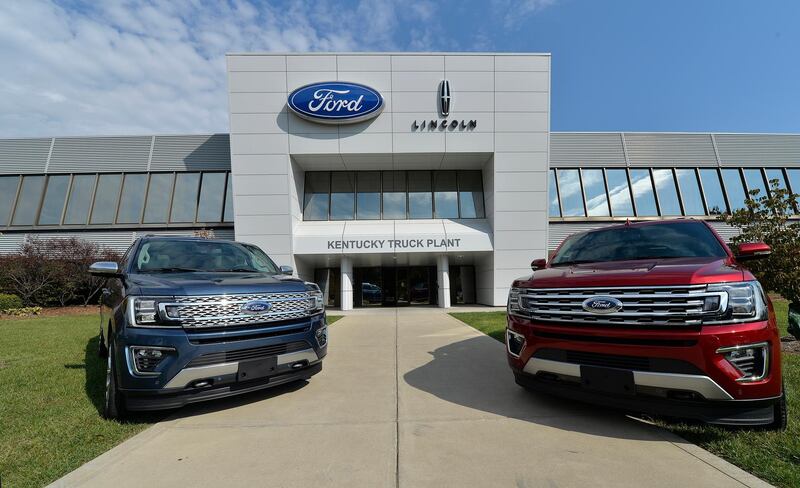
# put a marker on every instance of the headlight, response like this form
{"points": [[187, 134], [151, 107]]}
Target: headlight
{"points": [[143, 312], [513, 302], [736, 302], [316, 302]]}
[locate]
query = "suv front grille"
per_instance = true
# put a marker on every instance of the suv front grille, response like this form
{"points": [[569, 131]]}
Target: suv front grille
{"points": [[245, 354], [641, 306], [226, 310]]}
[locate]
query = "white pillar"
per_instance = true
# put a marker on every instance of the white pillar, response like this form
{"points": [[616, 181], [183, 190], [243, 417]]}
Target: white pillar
{"points": [[443, 278], [346, 283]]}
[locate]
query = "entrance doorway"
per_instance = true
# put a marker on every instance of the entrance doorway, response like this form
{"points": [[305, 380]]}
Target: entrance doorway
{"points": [[394, 286]]}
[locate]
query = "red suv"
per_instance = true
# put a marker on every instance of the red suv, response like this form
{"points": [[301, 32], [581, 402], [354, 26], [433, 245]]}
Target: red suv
{"points": [[655, 317]]}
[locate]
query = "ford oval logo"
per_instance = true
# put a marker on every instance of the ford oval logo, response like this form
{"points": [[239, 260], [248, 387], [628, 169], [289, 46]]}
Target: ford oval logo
{"points": [[256, 306], [336, 102], [602, 305]]}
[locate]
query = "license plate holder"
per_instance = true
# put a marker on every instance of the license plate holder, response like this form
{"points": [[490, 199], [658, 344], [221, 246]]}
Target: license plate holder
{"points": [[608, 380], [257, 368]]}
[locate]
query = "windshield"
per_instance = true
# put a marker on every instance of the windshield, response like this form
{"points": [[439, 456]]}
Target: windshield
{"points": [[677, 240], [173, 256]]}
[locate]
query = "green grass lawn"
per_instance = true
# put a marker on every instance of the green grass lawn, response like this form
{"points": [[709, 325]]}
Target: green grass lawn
{"points": [[772, 456], [334, 318]]}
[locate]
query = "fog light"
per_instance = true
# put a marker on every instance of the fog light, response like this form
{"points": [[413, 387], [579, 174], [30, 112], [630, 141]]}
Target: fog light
{"points": [[322, 336], [751, 360], [147, 358], [515, 342]]}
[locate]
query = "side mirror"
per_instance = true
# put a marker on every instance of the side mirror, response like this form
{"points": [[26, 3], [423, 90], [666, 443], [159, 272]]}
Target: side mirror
{"points": [[538, 264], [287, 270], [104, 268], [753, 250]]}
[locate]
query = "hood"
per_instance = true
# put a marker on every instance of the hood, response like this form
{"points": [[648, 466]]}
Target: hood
{"points": [[200, 283], [644, 272]]}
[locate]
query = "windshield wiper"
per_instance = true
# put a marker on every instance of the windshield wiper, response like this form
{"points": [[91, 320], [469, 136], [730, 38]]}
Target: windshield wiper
{"points": [[170, 270], [234, 270]]}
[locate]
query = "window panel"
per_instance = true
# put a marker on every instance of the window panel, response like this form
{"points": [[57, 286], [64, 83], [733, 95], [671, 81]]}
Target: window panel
{"points": [[156, 209], [105, 199], [619, 193], [54, 198], [470, 194], [733, 188], [690, 192], [594, 187], [368, 200], [8, 192], [755, 181], [80, 199], [30, 195], [134, 188], [394, 195], [643, 194], [569, 188], [420, 198], [212, 194], [184, 201], [445, 195], [666, 191], [775, 174], [712, 189], [316, 199], [794, 180], [228, 215], [343, 196], [553, 210]]}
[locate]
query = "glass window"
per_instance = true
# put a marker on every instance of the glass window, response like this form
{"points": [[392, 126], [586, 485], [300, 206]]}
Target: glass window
{"points": [[228, 215], [368, 201], [445, 195], [690, 192], [184, 201], [132, 202], [619, 193], [30, 196], [8, 192], [394, 195], [80, 199], [212, 193], [343, 196], [569, 188], [156, 209], [105, 199], [666, 191], [794, 180], [775, 174], [420, 199], [712, 189], [553, 211], [755, 181], [470, 194], [317, 188], [643, 193], [734, 188], [54, 198], [594, 187]]}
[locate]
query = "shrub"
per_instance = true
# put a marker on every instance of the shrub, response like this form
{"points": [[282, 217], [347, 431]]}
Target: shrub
{"points": [[23, 311], [8, 301]]}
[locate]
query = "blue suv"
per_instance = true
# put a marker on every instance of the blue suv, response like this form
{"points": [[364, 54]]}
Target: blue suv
{"points": [[188, 319]]}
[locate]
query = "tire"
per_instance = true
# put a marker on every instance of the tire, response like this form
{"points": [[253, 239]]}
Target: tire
{"points": [[781, 418], [114, 403], [102, 350]]}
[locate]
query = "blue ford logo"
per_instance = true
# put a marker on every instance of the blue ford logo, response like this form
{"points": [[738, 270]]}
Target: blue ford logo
{"points": [[256, 306], [336, 102], [602, 305]]}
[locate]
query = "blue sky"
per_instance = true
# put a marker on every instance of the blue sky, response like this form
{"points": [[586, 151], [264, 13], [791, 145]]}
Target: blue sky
{"points": [[157, 66]]}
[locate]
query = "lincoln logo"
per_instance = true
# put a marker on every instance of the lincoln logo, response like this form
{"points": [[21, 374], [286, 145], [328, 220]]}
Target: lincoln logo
{"points": [[602, 305], [335, 102], [256, 306], [444, 98]]}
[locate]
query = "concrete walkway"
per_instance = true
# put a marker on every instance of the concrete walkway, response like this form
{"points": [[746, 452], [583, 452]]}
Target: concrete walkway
{"points": [[411, 398]]}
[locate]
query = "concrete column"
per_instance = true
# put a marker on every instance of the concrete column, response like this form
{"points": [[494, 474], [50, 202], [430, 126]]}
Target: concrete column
{"points": [[443, 279], [346, 283]]}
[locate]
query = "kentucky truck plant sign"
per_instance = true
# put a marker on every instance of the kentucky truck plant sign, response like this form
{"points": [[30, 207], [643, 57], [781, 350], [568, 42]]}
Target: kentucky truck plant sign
{"points": [[336, 102]]}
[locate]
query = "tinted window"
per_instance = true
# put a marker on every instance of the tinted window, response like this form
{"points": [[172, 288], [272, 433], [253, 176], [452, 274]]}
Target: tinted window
{"points": [[734, 188], [594, 187], [690, 192], [553, 210], [445, 195], [167, 256], [158, 196], [420, 203], [228, 216], [794, 180], [569, 188], [343, 196], [470, 194], [643, 193], [667, 194], [658, 241], [105, 200], [755, 181], [212, 193], [30, 196], [184, 203], [775, 174], [317, 188], [80, 199], [54, 198], [394, 195], [368, 201], [131, 203], [619, 193], [712, 189], [8, 192]]}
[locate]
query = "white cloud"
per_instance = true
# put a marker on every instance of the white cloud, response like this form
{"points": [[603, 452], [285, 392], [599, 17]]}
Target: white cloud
{"points": [[515, 12]]}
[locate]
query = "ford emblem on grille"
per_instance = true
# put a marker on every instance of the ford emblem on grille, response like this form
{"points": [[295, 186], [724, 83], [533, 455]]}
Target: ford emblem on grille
{"points": [[256, 306], [602, 305]]}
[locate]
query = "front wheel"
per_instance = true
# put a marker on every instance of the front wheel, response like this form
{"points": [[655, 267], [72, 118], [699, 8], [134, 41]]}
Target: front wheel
{"points": [[781, 418], [114, 404]]}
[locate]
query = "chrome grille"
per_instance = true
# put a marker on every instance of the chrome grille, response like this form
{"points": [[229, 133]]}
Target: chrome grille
{"points": [[641, 306], [225, 310]]}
